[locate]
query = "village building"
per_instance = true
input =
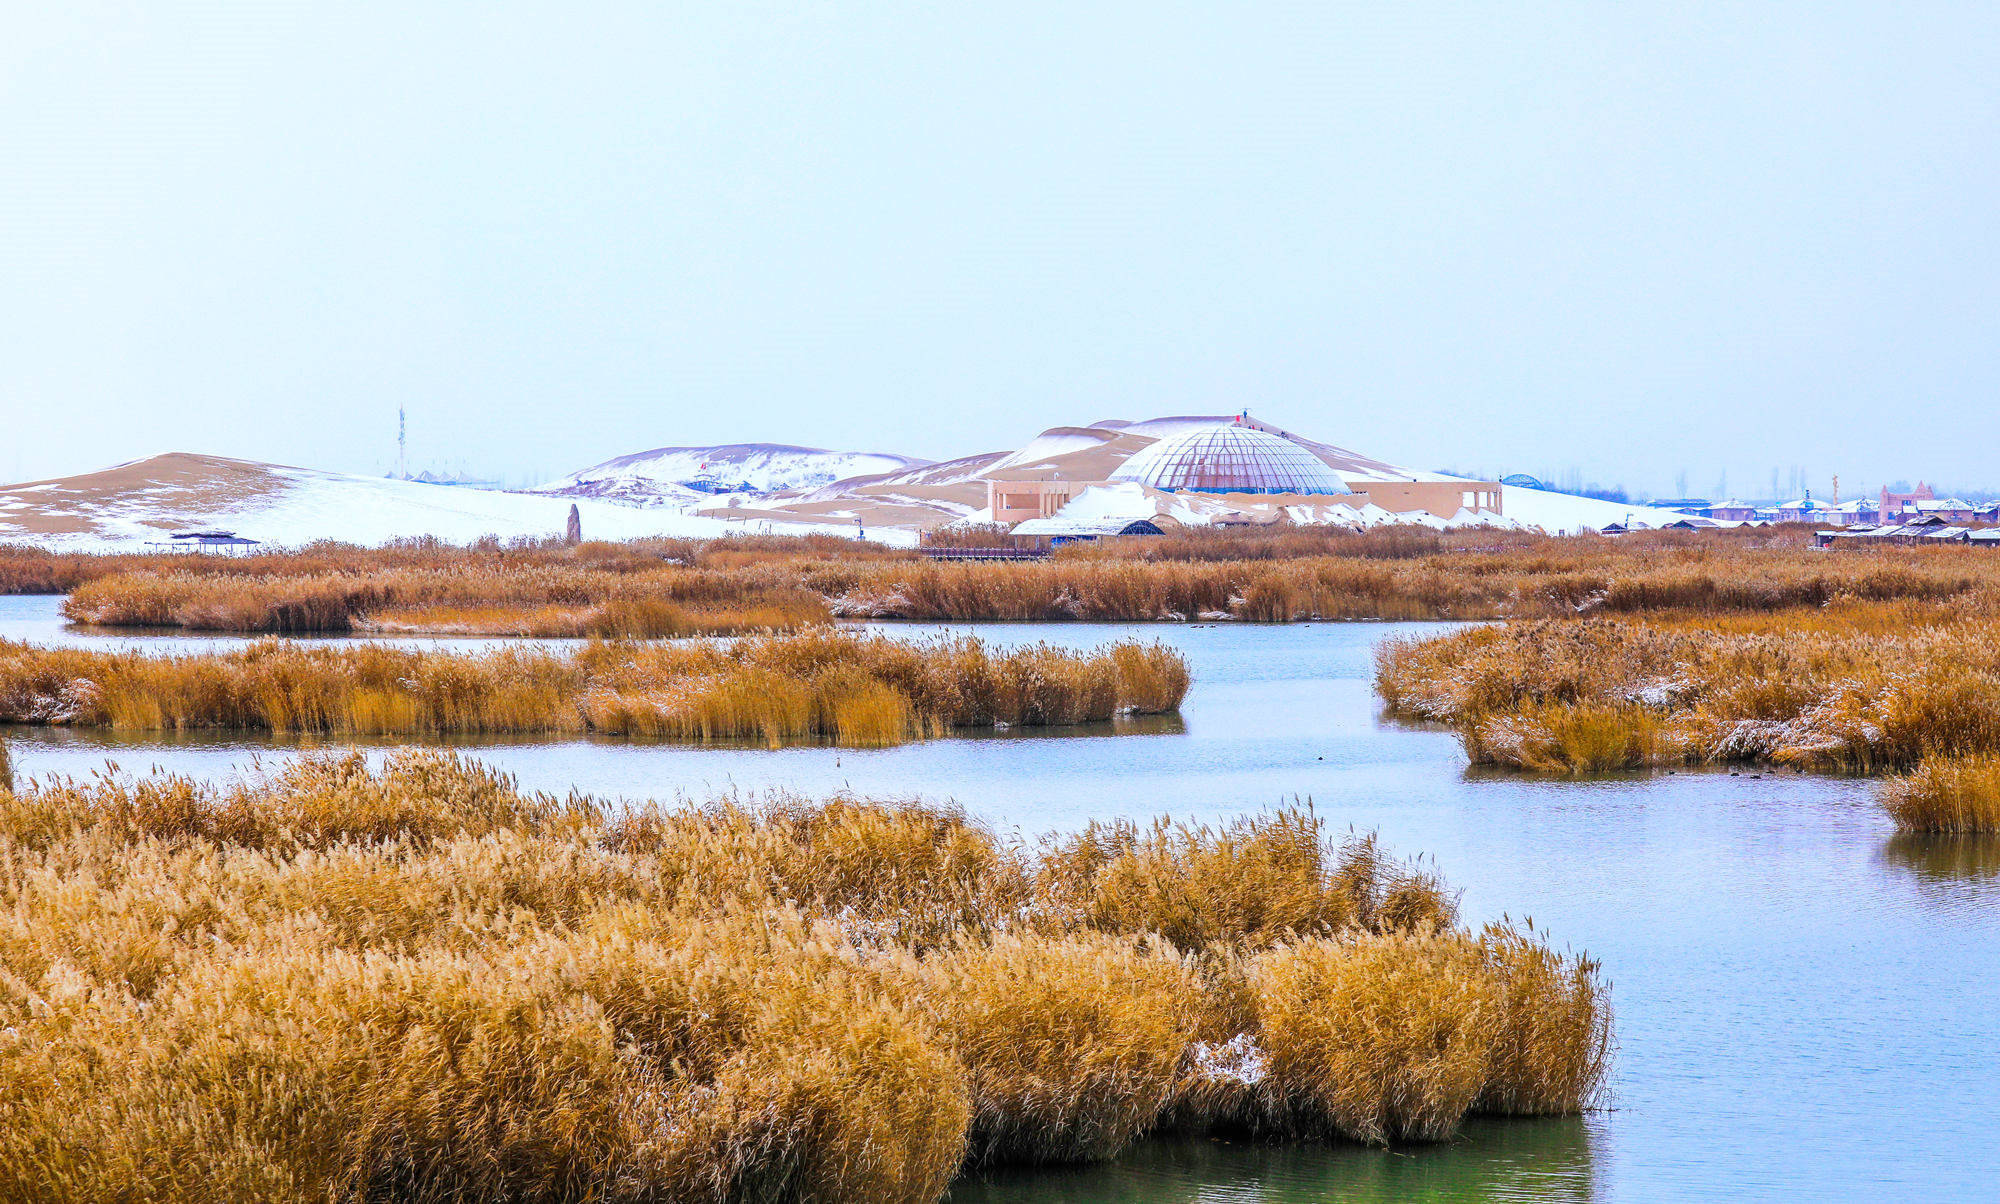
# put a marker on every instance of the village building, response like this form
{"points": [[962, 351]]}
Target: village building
{"points": [[1806, 510], [1865, 511], [1950, 509]]}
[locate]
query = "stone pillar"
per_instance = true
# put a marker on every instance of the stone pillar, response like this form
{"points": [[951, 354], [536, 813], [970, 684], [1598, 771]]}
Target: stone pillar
{"points": [[574, 535]]}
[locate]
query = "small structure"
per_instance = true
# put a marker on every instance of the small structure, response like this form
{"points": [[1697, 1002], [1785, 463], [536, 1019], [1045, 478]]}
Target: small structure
{"points": [[1699, 506], [1732, 511], [573, 533], [994, 553], [1019, 501], [224, 542], [1928, 531], [1056, 531]]}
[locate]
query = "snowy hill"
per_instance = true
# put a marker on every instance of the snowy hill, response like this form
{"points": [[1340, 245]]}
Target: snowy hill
{"points": [[684, 476], [680, 491], [131, 505], [1567, 514]]}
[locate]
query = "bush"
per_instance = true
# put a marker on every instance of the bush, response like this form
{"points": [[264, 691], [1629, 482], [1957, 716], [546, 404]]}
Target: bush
{"points": [[1252, 883], [817, 684], [1374, 1038], [1947, 795], [1072, 1045], [340, 982]]}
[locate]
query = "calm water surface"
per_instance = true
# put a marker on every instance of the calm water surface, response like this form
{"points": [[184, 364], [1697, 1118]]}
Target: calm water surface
{"points": [[1807, 1005]]}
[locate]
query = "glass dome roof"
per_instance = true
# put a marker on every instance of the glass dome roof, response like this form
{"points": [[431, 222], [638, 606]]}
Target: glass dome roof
{"points": [[1229, 459]]}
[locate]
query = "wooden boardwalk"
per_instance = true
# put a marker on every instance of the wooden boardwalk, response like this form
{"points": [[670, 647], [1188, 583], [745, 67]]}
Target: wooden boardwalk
{"points": [[984, 553]]}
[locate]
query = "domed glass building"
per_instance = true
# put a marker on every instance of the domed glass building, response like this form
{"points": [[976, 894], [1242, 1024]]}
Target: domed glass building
{"points": [[1229, 458]]}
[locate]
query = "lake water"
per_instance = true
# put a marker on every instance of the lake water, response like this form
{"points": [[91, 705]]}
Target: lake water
{"points": [[1806, 1005]]}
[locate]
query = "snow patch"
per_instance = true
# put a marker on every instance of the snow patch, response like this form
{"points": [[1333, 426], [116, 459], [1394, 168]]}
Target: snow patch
{"points": [[1565, 514], [679, 476], [1238, 1060], [308, 506], [1049, 445]]}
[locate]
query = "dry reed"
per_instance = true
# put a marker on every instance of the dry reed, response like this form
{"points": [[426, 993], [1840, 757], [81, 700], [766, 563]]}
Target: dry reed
{"points": [[537, 600], [813, 685], [740, 585], [1252, 883], [1947, 795], [416, 982], [1857, 686]]}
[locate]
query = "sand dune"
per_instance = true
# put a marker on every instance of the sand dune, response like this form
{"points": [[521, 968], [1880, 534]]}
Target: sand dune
{"points": [[131, 505]]}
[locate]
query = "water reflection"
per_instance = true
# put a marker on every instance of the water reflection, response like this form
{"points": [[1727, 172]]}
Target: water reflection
{"points": [[1541, 1160], [1956, 876], [1946, 860], [113, 740], [1123, 725]]}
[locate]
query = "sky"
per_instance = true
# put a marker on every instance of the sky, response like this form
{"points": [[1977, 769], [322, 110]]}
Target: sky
{"points": [[1624, 242]]}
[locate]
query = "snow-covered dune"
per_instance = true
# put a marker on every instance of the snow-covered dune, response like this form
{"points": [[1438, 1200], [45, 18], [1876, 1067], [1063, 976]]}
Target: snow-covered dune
{"points": [[679, 491], [1563, 513], [679, 476], [1051, 445], [131, 505]]}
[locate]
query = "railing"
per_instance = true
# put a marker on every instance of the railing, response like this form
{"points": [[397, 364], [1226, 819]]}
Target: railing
{"points": [[984, 553]]}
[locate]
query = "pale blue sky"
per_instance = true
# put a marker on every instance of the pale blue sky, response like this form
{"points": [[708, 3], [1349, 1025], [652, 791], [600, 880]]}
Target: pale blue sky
{"points": [[1630, 238]]}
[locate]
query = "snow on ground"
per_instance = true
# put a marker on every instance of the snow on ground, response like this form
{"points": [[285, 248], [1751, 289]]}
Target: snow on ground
{"points": [[681, 475], [368, 511], [305, 506], [1131, 500], [1160, 428], [1562, 513], [1123, 499], [1358, 479], [1047, 446]]}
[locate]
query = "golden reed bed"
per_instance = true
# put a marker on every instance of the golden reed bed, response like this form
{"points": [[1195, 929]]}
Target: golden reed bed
{"points": [[418, 983], [518, 600], [817, 684], [664, 589], [1855, 686]]}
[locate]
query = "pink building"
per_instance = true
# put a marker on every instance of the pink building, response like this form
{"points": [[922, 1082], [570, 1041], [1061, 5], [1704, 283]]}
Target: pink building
{"points": [[1895, 505]]}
